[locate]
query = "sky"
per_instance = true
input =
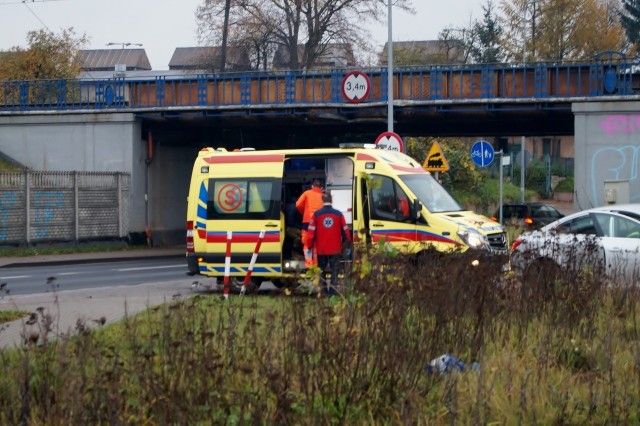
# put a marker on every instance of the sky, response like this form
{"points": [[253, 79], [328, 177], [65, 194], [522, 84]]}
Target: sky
{"points": [[162, 25]]}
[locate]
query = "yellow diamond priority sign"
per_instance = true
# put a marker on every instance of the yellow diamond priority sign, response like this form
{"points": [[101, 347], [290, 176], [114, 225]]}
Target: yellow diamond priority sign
{"points": [[435, 161]]}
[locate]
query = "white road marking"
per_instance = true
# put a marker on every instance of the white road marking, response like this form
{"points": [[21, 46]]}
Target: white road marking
{"points": [[150, 267], [15, 277], [68, 273]]}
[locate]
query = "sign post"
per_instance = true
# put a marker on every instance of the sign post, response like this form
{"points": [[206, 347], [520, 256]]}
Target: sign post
{"points": [[482, 154], [356, 86], [391, 141], [500, 197]]}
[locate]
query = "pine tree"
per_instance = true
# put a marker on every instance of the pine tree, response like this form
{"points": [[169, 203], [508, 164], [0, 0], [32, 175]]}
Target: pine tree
{"points": [[630, 20], [486, 47]]}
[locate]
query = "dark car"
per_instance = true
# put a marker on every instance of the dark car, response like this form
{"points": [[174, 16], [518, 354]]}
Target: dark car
{"points": [[528, 215]]}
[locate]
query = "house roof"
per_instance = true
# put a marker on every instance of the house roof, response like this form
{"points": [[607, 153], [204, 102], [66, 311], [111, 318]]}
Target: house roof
{"points": [[335, 55], [426, 51], [207, 57], [107, 59]]}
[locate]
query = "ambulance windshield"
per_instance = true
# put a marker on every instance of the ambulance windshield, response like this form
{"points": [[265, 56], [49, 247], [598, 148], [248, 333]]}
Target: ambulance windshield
{"points": [[430, 193]]}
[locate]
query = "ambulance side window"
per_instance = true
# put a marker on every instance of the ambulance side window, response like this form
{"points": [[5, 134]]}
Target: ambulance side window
{"points": [[257, 198], [388, 200]]}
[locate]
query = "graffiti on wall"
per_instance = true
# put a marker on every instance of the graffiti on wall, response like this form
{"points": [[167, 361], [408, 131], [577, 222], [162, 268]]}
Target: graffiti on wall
{"points": [[614, 163], [7, 200], [45, 205], [617, 124]]}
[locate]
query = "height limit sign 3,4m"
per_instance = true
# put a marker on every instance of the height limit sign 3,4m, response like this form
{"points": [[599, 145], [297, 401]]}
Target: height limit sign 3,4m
{"points": [[356, 86]]}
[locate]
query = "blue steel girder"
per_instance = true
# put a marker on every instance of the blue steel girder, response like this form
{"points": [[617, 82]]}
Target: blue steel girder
{"points": [[290, 88], [120, 90], [24, 95], [435, 84], [487, 82], [99, 94], [61, 93], [202, 89], [540, 82], [384, 84], [161, 90], [596, 76], [336, 85], [245, 90]]}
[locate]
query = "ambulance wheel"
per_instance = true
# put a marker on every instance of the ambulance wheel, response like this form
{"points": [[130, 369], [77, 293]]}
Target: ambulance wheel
{"points": [[235, 285], [284, 282]]}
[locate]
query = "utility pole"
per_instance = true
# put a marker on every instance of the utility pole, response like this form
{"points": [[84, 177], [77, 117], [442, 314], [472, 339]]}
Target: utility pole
{"points": [[389, 70]]}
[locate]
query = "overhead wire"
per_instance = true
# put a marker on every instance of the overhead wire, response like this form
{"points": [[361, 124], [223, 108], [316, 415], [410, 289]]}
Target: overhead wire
{"points": [[36, 16]]}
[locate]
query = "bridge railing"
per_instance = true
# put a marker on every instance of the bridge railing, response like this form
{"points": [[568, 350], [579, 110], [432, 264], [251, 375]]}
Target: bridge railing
{"points": [[268, 90]]}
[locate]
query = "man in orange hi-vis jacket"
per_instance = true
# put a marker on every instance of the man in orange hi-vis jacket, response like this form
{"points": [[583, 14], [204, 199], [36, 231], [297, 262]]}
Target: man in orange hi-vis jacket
{"points": [[307, 204]]}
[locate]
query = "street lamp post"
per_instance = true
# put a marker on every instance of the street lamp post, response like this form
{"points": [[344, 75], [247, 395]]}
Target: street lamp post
{"points": [[123, 44], [389, 70]]}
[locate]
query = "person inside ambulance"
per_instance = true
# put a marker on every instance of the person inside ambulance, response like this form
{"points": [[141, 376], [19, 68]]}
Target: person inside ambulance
{"points": [[309, 202], [293, 224], [399, 205]]}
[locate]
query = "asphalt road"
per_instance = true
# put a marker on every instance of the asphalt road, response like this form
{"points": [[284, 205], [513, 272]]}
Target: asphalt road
{"points": [[91, 289], [33, 279]]}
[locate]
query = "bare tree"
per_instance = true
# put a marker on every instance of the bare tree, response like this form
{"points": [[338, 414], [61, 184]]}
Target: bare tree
{"points": [[302, 29], [520, 22]]}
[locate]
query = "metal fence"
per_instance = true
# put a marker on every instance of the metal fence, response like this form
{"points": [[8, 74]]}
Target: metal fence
{"points": [[63, 206]]}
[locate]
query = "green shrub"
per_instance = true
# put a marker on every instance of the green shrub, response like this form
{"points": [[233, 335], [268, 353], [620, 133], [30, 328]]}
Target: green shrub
{"points": [[565, 185]]}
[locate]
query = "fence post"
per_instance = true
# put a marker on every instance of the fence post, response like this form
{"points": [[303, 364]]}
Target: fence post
{"points": [[27, 202], [76, 205], [547, 181], [119, 205]]}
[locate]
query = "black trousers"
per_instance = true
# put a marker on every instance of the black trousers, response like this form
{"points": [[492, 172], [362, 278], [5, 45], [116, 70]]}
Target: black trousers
{"points": [[329, 262]]}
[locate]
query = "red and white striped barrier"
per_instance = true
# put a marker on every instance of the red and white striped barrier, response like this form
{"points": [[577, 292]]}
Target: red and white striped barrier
{"points": [[227, 266], [253, 262]]}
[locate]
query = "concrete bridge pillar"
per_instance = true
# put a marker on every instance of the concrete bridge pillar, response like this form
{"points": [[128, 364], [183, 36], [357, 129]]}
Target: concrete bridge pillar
{"points": [[607, 148]]}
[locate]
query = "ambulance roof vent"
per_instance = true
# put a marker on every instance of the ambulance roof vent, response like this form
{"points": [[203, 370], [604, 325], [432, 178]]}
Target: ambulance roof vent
{"points": [[221, 150], [247, 149]]}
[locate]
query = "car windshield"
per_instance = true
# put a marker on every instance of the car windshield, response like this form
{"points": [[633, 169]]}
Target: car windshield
{"points": [[544, 211], [430, 193]]}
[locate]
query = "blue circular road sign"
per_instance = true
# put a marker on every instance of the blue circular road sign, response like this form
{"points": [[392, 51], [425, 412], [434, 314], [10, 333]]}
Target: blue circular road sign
{"points": [[482, 153]]}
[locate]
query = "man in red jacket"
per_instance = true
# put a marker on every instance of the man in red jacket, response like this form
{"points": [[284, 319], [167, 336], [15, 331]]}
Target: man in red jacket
{"points": [[328, 231]]}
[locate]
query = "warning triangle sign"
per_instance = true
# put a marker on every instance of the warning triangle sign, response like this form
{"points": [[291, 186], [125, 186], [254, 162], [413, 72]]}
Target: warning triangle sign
{"points": [[435, 161]]}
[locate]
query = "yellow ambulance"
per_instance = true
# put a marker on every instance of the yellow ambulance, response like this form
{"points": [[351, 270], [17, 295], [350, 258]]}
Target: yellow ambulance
{"points": [[237, 205]]}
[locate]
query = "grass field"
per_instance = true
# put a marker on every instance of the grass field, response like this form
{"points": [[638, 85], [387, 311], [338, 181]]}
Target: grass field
{"points": [[561, 352]]}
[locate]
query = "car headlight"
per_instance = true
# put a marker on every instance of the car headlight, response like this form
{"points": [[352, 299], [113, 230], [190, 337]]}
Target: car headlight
{"points": [[472, 239]]}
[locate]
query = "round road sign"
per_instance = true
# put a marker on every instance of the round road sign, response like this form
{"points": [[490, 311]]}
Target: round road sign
{"points": [[356, 86], [482, 153], [391, 141]]}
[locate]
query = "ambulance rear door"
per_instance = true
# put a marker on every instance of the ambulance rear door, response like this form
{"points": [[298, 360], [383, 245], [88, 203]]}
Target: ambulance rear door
{"points": [[243, 201]]}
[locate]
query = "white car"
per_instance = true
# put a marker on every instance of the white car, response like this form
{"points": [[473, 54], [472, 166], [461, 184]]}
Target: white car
{"points": [[599, 240]]}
